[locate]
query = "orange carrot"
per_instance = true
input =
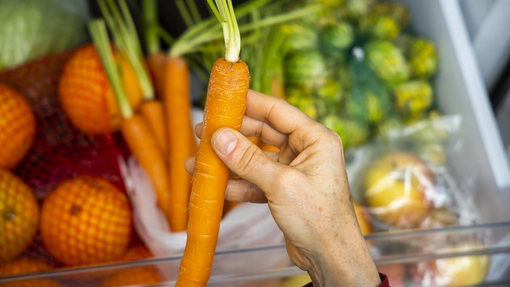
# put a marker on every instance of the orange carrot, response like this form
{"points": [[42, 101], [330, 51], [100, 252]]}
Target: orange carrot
{"points": [[156, 65], [153, 112], [126, 40], [225, 106], [142, 144], [181, 141], [134, 128], [155, 59]]}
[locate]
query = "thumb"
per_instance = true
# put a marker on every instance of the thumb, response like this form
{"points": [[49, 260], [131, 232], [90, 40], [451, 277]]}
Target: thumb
{"points": [[245, 158]]}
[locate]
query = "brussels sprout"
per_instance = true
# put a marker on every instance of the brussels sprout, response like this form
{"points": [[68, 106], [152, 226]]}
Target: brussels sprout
{"points": [[379, 27], [376, 109], [305, 69], [404, 42], [352, 132], [335, 39], [422, 57], [387, 61], [355, 9], [300, 36], [413, 98], [343, 77], [331, 92], [328, 97], [396, 10], [368, 105], [304, 102], [389, 125]]}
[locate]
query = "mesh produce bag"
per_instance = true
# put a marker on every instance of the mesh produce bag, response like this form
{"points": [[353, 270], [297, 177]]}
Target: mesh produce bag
{"points": [[59, 151]]}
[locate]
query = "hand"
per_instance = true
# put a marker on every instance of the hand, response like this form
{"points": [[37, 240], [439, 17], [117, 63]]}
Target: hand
{"points": [[305, 186]]}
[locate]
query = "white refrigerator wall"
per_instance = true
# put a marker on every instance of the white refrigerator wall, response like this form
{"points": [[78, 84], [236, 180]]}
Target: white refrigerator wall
{"points": [[461, 90]]}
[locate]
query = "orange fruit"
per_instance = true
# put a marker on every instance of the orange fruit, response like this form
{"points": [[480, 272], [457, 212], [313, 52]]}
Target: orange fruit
{"points": [[23, 265], [17, 123], [141, 276], [135, 253], [19, 215], [86, 95], [31, 283], [26, 265], [85, 221]]}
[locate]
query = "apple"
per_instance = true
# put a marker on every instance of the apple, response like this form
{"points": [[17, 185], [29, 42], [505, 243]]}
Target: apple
{"points": [[363, 218], [296, 280], [466, 270], [395, 189], [439, 218]]}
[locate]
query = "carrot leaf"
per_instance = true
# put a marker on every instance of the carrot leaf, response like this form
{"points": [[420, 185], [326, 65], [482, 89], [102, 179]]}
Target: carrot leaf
{"points": [[126, 41], [231, 32], [151, 26], [100, 38]]}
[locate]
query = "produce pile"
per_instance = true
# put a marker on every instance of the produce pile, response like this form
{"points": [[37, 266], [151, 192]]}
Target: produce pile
{"points": [[68, 118], [358, 68], [60, 190], [63, 199]]}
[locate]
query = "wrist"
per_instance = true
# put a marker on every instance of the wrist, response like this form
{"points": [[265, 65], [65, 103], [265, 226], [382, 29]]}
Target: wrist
{"points": [[345, 264]]}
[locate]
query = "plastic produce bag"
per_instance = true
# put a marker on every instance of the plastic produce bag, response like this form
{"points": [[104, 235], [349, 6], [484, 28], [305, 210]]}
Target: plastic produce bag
{"points": [[30, 29], [246, 226], [404, 181]]}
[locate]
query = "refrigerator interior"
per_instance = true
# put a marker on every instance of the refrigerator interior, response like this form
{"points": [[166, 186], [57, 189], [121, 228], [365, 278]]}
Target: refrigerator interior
{"points": [[460, 90]]}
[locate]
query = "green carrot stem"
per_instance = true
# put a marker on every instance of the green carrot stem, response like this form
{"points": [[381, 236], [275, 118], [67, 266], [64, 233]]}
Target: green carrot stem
{"points": [[151, 33], [165, 36], [126, 40], [99, 35], [185, 14], [183, 47], [193, 9], [130, 24], [203, 29]]}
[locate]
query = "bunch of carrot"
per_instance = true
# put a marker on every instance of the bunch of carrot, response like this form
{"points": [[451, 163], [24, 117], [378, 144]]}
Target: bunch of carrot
{"points": [[143, 129]]}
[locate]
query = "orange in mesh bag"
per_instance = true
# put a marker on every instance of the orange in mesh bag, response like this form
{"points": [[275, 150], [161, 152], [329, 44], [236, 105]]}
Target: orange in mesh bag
{"points": [[61, 152], [19, 216], [87, 97], [17, 124]]}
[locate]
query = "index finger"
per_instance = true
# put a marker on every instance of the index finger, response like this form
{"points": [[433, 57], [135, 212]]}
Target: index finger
{"points": [[276, 112]]}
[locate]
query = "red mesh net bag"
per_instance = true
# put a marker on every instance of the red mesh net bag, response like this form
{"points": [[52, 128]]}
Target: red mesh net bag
{"points": [[59, 151]]}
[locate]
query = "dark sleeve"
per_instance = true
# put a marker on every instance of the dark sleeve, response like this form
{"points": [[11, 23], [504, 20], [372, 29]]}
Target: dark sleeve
{"points": [[384, 281]]}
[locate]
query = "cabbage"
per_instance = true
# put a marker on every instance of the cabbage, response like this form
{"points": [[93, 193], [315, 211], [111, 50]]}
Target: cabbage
{"points": [[30, 29]]}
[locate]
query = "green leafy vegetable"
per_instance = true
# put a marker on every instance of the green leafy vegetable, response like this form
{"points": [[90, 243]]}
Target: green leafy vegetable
{"points": [[31, 29]]}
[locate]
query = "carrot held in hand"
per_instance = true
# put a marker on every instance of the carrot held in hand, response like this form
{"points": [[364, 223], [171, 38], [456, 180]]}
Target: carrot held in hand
{"points": [[225, 107], [134, 128]]}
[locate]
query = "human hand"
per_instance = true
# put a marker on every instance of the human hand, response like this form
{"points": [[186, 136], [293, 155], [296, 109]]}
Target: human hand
{"points": [[305, 186]]}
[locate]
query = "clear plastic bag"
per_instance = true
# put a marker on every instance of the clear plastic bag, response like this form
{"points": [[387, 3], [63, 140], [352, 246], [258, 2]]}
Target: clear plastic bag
{"points": [[404, 181], [246, 226]]}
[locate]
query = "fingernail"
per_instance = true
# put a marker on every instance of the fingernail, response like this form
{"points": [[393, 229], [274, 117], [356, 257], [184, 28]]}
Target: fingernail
{"points": [[226, 142]]}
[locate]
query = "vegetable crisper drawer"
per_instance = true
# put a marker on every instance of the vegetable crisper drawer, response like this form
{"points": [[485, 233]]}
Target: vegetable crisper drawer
{"points": [[405, 249]]}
